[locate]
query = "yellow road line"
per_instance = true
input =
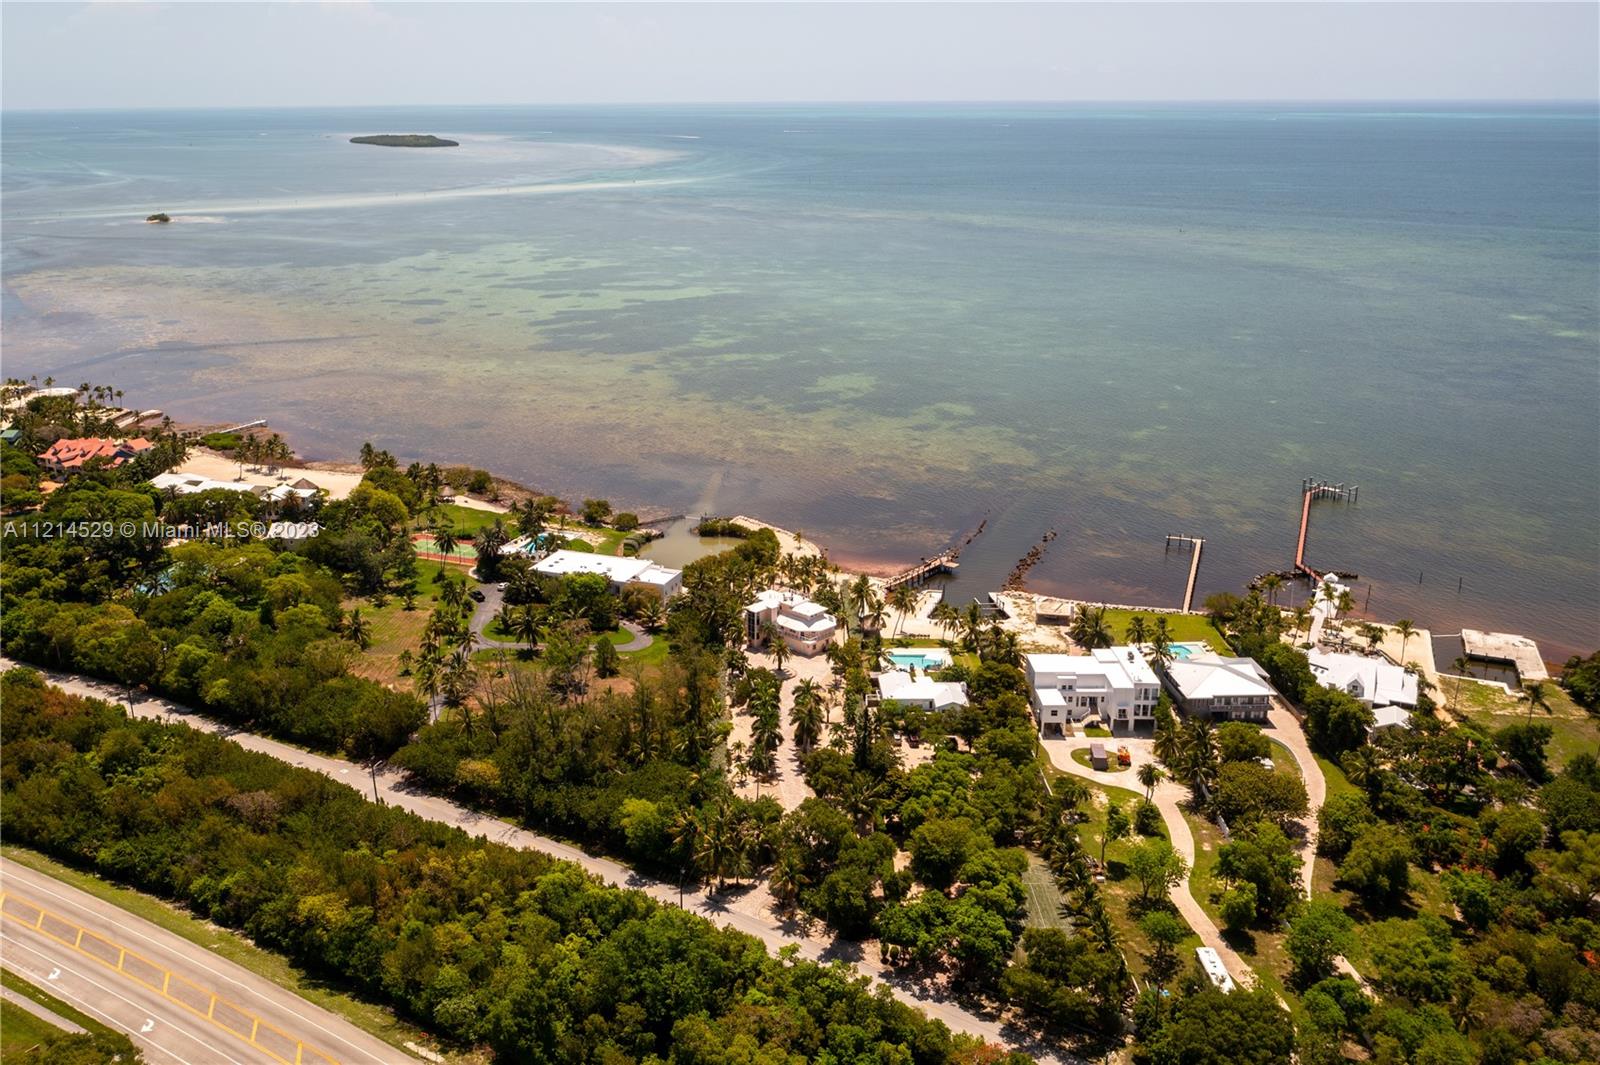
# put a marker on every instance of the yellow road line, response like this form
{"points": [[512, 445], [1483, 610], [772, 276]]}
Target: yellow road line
{"points": [[302, 1050]]}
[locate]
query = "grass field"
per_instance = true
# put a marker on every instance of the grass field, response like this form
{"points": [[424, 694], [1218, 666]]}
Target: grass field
{"points": [[1573, 729], [1181, 628], [1081, 756], [466, 521], [378, 1020], [20, 1032], [394, 628]]}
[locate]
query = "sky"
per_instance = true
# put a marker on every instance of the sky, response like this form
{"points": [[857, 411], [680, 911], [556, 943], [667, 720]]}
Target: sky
{"points": [[116, 55]]}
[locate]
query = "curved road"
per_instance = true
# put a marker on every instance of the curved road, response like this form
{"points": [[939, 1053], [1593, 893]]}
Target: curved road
{"points": [[171, 1027], [753, 913]]}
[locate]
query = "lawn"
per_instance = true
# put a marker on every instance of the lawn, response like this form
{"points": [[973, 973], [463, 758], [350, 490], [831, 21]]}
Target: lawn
{"points": [[1081, 756], [466, 521], [394, 628], [378, 1020], [20, 1032], [1573, 729], [1181, 628]]}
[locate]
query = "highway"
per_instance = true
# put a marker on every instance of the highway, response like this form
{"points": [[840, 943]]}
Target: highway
{"points": [[179, 1002]]}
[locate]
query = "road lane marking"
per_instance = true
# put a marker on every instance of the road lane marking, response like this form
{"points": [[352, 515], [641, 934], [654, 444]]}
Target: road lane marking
{"points": [[68, 902], [302, 1050], [89, 1007]]}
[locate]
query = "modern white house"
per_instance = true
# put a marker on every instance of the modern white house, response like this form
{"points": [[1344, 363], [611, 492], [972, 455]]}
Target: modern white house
{"points": [[621, 573], [1114, 685], [1219, 687], [1373, 681], [806, 627], [921, 691]]}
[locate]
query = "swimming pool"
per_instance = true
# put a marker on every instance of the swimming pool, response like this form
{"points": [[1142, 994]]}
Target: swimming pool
{"points": [[1180, 651], [920, 659]]}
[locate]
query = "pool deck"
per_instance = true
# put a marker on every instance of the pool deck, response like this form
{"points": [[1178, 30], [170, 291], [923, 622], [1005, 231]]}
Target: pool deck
{"points": [[1507, 647]]}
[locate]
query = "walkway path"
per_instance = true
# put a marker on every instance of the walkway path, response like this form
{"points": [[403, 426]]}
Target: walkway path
{"points": [[754, 912], [1169, 797]]}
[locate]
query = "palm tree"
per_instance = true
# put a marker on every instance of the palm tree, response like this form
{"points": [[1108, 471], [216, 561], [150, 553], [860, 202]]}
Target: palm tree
{"points": [[788, 877], [1459, 667], [806, 714], [1161, 644], [358, 630], [1150, 775], [1138, 630], [947, 617], [1088, 628], [444, 538], [1345, 603], [903, 598], [1271, 583], [428, 682], [972, 625], [1536, 698], [525, 626], [1406, 630], [873, 613], [1169, 745], [651, 615], [775, 645], [1302, 618]]}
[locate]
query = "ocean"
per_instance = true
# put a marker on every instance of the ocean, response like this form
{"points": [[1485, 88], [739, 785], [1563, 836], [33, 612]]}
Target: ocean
{"points": [[883, 325]]}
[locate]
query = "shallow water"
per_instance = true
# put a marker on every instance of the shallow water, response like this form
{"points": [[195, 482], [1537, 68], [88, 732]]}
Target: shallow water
{"points": [[1117, 323]]}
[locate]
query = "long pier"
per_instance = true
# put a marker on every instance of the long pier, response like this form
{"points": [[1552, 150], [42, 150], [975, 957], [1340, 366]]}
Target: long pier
{"points": [[943, 562], [1310, 489], [1194, 564]]}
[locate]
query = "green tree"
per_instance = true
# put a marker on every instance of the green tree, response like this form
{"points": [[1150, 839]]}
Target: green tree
{"points": [[1117, 827], [1165, 931], [607, 663], [1211, 1028], [1238, 906], [1524, 742], [1157, 867], [1319, 933], [1378, 865], [1149, 775], [1263, 856]]}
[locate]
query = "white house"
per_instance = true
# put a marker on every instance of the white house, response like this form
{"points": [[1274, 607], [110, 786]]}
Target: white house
{"points": [[1113, 684], [806, 627], [1215, 686], [621, 573], [1373, 681], [922, 691], [1389, 718]]}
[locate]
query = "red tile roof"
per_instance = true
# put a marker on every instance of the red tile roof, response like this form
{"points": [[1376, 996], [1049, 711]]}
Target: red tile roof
{"points": [[72, 453]]}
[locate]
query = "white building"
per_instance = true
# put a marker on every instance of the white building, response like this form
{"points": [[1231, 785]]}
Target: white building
{"points": [[806, 627], [1113, 684], [1374, 682], [922, 692], [621, 573], [1219, 687], [1389, 718], [185, 484]]}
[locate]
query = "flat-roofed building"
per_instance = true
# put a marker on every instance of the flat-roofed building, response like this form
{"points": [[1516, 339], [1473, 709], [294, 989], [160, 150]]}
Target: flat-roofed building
{"points": [[806, 627], [621, 573], [1114, 685]]}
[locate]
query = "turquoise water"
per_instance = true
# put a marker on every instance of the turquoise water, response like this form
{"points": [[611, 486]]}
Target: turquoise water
{"points": [[883, 325], [924, 662]]}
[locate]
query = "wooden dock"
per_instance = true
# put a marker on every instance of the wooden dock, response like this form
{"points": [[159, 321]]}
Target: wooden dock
{"points": [[1194, 564], [1311, 489], [944, 562]]}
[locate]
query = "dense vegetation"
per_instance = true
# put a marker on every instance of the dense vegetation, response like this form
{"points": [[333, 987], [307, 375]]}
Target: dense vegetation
{"points": [[484, 943]]}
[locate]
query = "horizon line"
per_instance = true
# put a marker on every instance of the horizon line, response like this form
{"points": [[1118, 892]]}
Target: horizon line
{"points": [[1593, 102]]}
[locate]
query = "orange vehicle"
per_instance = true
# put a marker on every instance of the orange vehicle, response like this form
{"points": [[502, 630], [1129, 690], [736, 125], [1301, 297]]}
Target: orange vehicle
{"points": [[1123, 757]]}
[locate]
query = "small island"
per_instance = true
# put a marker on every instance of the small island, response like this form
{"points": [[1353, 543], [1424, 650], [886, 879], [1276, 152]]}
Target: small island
{"points": [[406, 140], [160, 216]]}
